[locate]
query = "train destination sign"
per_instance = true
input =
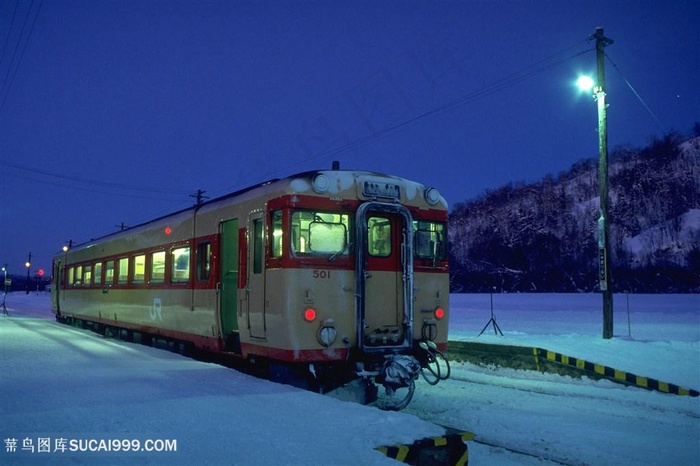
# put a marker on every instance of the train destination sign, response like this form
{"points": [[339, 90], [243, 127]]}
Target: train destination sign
{"points": [[378, 189]]}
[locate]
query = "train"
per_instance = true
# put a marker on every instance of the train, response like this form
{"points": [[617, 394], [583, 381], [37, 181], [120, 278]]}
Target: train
{"points": [[332, 280]]}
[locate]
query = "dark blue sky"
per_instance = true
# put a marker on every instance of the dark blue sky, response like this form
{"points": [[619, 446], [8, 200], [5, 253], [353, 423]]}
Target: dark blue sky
{"points": [[117, 111]]}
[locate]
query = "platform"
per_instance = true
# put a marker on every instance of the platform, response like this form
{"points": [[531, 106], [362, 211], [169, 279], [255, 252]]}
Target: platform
{"points": [[61, 386]]}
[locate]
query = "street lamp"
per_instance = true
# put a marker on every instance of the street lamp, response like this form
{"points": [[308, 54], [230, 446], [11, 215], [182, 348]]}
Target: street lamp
{"points": [[604, 277], [585, 83], [28, 264]]}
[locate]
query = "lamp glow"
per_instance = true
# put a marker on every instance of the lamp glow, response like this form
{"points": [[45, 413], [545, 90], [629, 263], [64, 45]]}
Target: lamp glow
{"points": [[585, 83]]}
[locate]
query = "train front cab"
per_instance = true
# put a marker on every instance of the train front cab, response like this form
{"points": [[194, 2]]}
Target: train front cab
{"points": [[353, 305], [399, 306]]}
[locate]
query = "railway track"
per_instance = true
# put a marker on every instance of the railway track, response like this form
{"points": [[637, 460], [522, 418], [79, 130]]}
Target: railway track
{"points": [[528, 417]]}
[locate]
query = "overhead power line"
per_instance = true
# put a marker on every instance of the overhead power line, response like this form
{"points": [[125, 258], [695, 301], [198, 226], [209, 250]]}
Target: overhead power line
{"points": [[61, 180], [7, 84], [529, 71], [663, 129]]}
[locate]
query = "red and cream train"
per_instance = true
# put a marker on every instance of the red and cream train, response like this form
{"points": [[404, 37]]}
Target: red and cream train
{"points": [[328, 278]]}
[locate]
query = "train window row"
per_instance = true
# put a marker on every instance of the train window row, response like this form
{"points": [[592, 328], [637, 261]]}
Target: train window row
{"points": [[156, 267], [320, 233]]}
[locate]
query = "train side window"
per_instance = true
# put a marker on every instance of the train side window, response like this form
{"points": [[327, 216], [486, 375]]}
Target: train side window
{"points": [[97, 274], [78, 275], [157, 267], [379, 231], [109, 272], [71, 276], [258, 250], [139, 272], [123, 270], [87, 275], [180, 265], [429, 240], [276, 238], [203, 260]]}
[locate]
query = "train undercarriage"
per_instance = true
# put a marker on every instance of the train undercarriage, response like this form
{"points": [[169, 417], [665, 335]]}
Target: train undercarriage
{"points": [[387, 381]]}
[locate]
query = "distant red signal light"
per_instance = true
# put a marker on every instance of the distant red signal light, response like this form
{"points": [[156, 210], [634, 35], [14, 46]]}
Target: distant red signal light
{"points": [[40, 272]]}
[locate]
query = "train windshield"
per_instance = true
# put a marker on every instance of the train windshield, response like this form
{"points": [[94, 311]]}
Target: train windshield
{"points": [[430, 242], [320, 233]]}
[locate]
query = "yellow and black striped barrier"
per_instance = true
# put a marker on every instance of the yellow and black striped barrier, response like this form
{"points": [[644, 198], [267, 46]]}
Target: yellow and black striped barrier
{"points": [[614, 374], [447, 450], [529, 358]]}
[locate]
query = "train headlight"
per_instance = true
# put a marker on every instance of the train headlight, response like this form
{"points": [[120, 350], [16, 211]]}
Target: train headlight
{"points": [[321, 183], [432, 196], [327, 333]]}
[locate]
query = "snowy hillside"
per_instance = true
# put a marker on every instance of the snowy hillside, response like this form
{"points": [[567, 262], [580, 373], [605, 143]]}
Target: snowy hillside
{"points": [[542, 236]]}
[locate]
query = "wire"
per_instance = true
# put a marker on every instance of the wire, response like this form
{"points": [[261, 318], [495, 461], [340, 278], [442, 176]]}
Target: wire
{"points": [[9, 30], [6, 86], [87, 181], [663, 129], [489, 89]]}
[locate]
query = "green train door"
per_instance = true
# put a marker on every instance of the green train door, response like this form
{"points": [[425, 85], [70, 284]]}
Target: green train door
{"points": [[228, 288]]}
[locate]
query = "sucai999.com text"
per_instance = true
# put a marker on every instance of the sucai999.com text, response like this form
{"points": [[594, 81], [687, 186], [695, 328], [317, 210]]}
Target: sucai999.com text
{"points": [[44, 445]]}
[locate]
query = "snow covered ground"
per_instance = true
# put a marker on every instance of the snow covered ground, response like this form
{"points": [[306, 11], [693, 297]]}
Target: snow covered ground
{"points": [[527, 418], [59, 382]]}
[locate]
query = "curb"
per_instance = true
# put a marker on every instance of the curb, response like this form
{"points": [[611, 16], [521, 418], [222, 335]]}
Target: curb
{"points": [[447, 450], [542, 360], [615, 375]]}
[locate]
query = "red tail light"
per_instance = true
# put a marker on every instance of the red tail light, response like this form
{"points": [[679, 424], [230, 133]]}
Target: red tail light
{"points": [[309, 314], [439, 313]]}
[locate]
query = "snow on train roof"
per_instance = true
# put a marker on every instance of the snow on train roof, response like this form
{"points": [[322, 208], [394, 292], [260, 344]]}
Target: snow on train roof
{"points": [[338, 181], [342, 180]]}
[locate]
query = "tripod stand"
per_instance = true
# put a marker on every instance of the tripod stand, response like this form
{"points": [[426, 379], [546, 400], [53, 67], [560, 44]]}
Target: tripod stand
{"points": [[492, 321]]}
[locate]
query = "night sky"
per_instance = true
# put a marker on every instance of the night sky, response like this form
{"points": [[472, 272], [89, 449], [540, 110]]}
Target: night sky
{"points": [[116, 112]]}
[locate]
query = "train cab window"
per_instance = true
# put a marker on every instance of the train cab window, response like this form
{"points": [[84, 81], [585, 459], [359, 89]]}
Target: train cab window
{"points": [[78, 275], [203, 261], [139, 272], [122, 271], [157, 267], [87, 275], [276, 237], [180, 265], [379, 236], [109, 272], [97, 274], [429, 240], [320, 233]]}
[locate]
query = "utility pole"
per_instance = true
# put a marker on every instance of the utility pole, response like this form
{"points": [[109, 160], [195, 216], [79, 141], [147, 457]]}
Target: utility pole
{"points": [[604, 276], [199, 196]]}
